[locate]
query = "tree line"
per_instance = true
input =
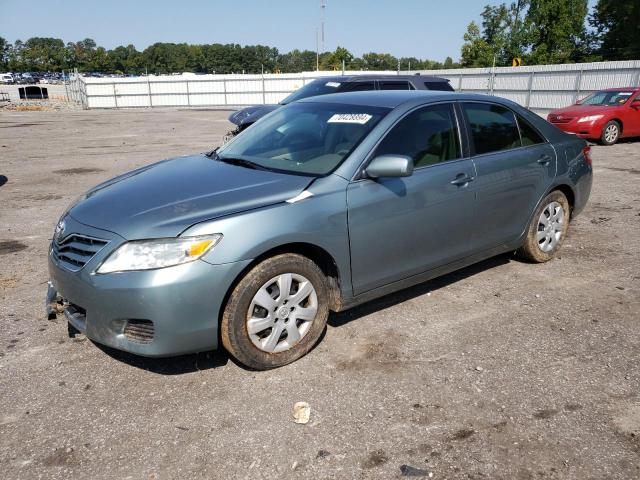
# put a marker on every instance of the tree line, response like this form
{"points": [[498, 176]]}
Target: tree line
{"points": [[40, 54], [553, 31], [538, 31]]}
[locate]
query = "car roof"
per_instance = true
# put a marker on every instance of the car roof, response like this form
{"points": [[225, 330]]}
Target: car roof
{"points": [[373, 76], [394, 98]]}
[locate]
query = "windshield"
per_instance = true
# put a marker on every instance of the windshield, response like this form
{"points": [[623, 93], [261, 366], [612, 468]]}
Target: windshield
{"points": [[317, 87], [304, 138], [607, 98]]}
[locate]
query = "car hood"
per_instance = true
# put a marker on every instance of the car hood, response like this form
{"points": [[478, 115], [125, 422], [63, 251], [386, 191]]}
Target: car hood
{"points": [[251, 114], [582, 110], [163, 199]]}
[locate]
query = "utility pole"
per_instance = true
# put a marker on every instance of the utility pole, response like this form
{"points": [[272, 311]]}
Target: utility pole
{"points": [[323, 5], [317, 52]]}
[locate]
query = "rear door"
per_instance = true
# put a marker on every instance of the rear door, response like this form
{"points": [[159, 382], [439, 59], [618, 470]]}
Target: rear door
{"points": [[515, 166], [399, 227]]}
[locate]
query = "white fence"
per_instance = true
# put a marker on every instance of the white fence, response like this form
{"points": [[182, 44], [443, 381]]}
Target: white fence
{"points": [[540, 88], [544, 87]]}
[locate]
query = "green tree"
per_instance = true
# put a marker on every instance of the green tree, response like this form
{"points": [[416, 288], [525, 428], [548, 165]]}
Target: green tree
{"points": [[557, 29], [617, 29], [4, 53], [476, 51]]}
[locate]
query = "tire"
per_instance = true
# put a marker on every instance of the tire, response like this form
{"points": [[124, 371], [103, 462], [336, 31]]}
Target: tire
{"points": [[257, 336], [544, 241], [610, 133]]}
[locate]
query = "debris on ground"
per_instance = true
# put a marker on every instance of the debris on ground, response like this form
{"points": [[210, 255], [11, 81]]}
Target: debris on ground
{"points": [[301, 412]]}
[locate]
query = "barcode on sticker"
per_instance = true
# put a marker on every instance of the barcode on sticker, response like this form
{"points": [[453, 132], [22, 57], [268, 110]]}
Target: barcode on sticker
{"points": [[360, 118]]}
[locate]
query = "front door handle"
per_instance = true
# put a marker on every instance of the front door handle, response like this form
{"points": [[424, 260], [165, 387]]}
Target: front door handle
{"points": [[462, 179], [544, 160]]}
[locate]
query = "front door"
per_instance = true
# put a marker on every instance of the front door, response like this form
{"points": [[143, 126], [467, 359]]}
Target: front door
{"points": [[399, 227]]}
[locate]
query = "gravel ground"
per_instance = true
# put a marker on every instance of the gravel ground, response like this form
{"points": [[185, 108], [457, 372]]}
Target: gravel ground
{"points": [[504, 370]]}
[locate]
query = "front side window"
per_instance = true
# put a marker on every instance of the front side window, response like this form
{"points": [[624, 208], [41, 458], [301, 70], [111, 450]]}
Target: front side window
{"points": [[395, 85], [305, 138], [428, 135], [358, 87], [493, 127]]}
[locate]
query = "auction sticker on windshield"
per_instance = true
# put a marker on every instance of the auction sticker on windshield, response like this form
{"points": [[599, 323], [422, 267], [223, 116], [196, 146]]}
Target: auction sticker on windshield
{"points": [[332, 84], [360, 118]]}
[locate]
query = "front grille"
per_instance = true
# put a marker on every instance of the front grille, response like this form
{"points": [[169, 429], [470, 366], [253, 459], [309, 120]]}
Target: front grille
{"points": [[560, 119], [139, 331], [74, 251]]}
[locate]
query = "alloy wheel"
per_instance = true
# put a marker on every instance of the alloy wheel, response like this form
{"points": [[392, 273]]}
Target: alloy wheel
{"points": [[611, 133]]}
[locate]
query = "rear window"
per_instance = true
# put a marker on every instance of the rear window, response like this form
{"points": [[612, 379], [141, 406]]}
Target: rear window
{"points": [[493, 127], [442, 86]]}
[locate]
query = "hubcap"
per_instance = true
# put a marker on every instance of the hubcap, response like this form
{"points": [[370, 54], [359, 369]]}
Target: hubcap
{"points": [[281, 312], [611, 133], [550, 227]]}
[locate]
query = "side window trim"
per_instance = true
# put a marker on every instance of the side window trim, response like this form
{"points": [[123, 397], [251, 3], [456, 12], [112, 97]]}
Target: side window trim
{"points": [[359, 175]]}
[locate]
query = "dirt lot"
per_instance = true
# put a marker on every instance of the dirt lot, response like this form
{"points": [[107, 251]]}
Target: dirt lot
{"points": [[504, 370]]}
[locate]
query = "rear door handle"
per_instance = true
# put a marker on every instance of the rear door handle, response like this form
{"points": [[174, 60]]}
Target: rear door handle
{"points": [[462, 179], [544, 160]]}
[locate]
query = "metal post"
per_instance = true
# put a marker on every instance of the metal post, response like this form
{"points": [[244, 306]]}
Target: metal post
{"points": [[264, 100], [115, 94], [224, 87], [578, 86], [66, 90], [460, 83], [529, 89], [149, 90], [188, 95]]}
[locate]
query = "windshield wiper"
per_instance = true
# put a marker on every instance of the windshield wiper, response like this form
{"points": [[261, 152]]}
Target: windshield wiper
{"points": [[240, 162]]}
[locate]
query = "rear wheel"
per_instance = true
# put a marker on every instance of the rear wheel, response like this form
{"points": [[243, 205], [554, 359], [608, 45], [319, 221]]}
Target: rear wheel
{"points": [[610, 133], [547, 229], [276, 313]]}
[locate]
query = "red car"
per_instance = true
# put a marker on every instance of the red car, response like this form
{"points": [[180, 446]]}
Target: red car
{"points": [[606, 115]]}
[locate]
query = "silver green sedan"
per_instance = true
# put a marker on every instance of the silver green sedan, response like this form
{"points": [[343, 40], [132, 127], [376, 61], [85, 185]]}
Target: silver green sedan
{"points": [[319, 206]]}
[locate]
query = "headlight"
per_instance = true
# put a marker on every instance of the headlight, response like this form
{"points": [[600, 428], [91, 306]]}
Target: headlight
{"points": [[590, 118], [165, 252]]}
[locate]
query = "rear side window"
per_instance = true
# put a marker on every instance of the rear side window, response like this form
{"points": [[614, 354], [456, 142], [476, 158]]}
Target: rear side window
{"points": [[429, 135], [528, 134], [442, 86], [395, 85], [493, 127]]}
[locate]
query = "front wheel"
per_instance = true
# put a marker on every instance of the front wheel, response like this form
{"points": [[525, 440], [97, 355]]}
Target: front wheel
{"points": [[547, 229], [610, 133], [276, 313]]}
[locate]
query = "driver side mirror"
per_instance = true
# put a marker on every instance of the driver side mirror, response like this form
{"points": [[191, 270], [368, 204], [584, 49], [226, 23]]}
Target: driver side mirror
{"points": [[390, 166], [636, 104]]}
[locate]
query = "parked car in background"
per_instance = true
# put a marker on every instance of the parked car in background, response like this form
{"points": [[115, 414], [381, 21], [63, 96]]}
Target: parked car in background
{"points": [[7, 78], [604, 116], [338, 84], [329, 202]]}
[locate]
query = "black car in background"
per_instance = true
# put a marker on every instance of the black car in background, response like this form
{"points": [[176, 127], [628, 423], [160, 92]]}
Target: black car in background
{"points": [[338, 84]]}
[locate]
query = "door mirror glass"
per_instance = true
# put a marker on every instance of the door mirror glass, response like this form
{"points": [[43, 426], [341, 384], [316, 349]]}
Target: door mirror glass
{"points": [[636, 104], [390, 166]]}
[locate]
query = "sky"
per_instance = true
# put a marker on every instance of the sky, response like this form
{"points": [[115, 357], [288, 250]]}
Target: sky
{"points": [[426, 29]]}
